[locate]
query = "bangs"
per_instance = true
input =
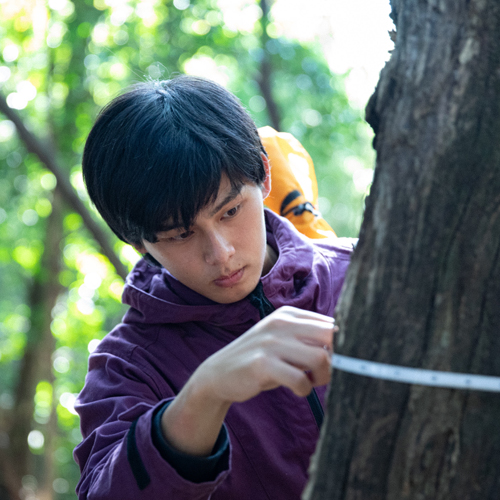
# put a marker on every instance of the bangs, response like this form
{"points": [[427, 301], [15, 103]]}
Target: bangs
{"points": [[184, 176], [156, 155]]}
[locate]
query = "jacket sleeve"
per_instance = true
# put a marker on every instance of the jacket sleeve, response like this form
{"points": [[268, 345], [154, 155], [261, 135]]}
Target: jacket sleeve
{"points": [[117, 457], [196, 469]]}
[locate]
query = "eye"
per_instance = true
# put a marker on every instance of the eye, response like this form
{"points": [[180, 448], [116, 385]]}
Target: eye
{"points": [[181, 236], [232, 212]]}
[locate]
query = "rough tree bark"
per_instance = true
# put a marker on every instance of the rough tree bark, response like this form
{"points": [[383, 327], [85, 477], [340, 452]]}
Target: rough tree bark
{"points": [[423, 289]]}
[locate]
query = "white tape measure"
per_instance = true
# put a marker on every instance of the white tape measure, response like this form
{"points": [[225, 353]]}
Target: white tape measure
{"points": [[417, 376]]}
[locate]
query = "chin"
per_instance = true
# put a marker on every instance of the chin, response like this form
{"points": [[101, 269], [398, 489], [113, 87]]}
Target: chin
{"points": [[233, 295], [230, 298]]}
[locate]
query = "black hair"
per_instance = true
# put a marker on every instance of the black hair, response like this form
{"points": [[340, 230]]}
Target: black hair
{"points": [[156, 154]]}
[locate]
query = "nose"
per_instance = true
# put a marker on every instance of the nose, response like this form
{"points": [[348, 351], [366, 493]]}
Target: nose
{"points": [[218, 248]]}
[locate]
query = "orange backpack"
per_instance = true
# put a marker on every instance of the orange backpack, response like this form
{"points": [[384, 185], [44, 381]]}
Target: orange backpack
{"points": [[294, 188]]}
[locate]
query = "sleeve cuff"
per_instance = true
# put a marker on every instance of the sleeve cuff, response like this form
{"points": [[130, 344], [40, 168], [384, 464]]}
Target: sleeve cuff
{"points": [[192, 468]]}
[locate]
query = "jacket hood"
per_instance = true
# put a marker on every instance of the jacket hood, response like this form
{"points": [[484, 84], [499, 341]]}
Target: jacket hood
{"points": [[155, 296]]}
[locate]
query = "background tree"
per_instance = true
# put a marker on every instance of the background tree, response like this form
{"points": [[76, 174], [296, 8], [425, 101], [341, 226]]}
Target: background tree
{"points": [[423, 288], [61, 270]]}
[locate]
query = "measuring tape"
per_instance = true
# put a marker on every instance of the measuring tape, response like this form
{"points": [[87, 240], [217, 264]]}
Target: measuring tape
{"points": [[417, 376]]}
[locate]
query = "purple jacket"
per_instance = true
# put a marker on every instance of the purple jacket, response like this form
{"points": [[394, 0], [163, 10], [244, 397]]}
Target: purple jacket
{"points": [[145, 361]]}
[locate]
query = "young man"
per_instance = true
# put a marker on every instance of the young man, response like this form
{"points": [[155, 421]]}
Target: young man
{"points": [[206, 389]]}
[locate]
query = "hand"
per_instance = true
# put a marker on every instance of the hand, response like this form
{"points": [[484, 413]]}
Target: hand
{"points": [[290, 347], [277, 351]]}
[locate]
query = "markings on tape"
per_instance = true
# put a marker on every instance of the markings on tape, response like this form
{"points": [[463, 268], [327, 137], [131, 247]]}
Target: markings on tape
{"points": [[416, 376]]}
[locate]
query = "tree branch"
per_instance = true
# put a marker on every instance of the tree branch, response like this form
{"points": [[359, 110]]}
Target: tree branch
{"points": [[266, 69], [47, 158]]}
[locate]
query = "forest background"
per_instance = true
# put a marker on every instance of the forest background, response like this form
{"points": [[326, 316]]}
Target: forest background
{"points": [[60, 62]]}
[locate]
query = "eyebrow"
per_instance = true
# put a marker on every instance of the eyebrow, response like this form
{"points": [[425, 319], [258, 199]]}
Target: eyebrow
{"points": [[235, 191]]}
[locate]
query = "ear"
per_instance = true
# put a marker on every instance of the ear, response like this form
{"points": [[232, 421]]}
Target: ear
{"points": [[266, 184]]}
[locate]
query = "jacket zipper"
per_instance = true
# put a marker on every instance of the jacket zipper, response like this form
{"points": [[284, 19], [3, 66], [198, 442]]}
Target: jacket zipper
{"points": [[259, 300]]}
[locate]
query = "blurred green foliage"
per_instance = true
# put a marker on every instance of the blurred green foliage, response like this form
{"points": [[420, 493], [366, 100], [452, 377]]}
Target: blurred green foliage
{"points": [[60, 62]]}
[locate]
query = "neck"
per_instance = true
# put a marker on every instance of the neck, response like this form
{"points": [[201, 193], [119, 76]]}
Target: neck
{"points": [[270, 260]]}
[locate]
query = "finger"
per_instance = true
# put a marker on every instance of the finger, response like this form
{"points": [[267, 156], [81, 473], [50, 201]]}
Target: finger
{"points": [[321, 375], [313, 358], [288, 345], [295, 312], [308, 358], [325, 341], [318, 332], [287, 375], [321, 337], [320, 372]]}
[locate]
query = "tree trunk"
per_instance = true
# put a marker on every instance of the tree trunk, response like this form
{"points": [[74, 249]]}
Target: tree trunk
{"points": [[423, 289], [36, 363], [266, 71], [48, 158]]}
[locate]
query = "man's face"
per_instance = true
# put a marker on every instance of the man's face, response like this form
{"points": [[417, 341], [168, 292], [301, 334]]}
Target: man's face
{"points": [[224, 253]]}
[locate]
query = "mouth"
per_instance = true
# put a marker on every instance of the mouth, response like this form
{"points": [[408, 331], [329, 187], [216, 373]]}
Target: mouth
{"points": [[230, 279]]}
